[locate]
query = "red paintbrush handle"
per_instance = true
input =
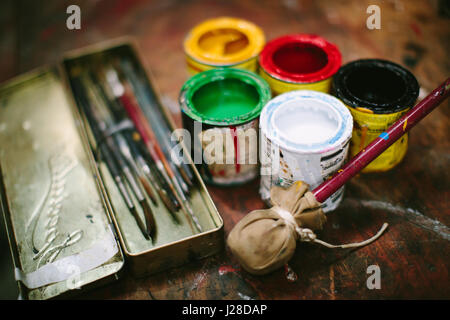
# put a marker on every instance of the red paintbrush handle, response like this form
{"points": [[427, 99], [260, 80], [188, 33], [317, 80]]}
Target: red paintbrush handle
{"points": [[382, 142], [131, 110], [138, 118]]}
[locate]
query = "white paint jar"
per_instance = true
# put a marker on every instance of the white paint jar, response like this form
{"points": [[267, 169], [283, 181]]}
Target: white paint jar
{"points": [[304, 135]]}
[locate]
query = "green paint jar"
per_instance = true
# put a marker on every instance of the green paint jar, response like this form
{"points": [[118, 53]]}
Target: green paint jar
{"points": [[220, 111]]}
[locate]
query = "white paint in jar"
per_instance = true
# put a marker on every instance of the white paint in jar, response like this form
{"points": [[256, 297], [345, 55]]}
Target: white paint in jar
{"points": [[304, 136]]}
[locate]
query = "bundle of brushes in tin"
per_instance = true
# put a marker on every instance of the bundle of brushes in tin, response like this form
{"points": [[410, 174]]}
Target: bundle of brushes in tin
{"points": [[132, 137]]}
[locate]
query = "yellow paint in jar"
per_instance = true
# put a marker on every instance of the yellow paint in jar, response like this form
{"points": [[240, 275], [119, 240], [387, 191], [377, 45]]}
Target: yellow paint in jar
{"points": [[223, 42], [367, 127]]}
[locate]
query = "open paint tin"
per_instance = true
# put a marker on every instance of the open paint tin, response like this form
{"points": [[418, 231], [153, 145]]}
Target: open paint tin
{"points": [[223, 42], [377, 93], [304, 135], [299, 62], [220, 110]]}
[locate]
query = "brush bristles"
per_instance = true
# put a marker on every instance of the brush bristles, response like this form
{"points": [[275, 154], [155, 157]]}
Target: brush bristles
{"points": [[148, 190], [140, 223], [149, 219]]}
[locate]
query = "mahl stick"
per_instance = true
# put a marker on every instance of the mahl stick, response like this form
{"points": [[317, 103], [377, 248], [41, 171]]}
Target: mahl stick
{"points": [[383, 141]]}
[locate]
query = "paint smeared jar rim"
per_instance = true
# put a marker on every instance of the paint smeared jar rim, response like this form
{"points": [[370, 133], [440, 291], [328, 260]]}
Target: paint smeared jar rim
{"points": [[380, 86], [300, 58], [242, 78], [307, 102], [236, 40]]}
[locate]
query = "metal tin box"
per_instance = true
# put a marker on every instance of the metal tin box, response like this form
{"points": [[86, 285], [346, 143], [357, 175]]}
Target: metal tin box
{"points": [[67, 225]]}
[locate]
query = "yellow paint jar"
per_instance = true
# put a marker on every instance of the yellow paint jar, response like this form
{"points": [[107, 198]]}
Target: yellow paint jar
{"points": [[223, 42], [377, 93]]}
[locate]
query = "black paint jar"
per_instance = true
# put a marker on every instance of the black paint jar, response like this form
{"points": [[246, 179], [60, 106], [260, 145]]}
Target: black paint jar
{"points": [[377, 93]]}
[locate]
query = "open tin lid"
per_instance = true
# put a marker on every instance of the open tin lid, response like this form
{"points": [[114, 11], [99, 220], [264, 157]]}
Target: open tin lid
{"points": [[57, 219]]}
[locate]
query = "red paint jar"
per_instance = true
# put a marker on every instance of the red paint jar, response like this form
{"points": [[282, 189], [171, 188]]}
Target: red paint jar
{"points": [[299, 62]]}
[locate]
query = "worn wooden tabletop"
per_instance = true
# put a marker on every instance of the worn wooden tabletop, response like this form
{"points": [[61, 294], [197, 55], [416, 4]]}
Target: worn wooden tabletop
{"points": [[413, 255]]}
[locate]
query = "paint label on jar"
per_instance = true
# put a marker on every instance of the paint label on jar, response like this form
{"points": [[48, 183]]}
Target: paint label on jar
{"points": [[367, 127], [195, 67], [283, 167], [279, 86], [304, 136], [230, 153], [227, 102]]}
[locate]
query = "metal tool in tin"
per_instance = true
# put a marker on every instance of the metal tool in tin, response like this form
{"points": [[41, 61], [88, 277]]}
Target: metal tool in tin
{"points": [[116, 163], [133, 151], [152, 110], [123, 94]]}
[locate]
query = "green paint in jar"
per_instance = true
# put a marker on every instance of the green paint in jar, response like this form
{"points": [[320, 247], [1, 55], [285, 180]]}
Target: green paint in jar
{"points": [[226, 104]]}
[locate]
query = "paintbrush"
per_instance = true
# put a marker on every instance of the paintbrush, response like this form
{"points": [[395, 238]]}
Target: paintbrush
{"points": [[125, 150], [152, 165], [109, 95], [381, 143], [169, 202], [260, 254], [175, 169], [106, 153], [115, 173], [158, 156], [151, 107], [161, 165], [103, 104], [148, 138], [102, 118]]}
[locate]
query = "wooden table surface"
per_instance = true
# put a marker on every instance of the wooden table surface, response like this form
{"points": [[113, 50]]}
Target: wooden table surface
{"points": [[413, 255]]}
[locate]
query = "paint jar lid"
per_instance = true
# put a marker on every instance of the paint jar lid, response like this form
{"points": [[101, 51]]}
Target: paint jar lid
{"points": [[224, 96], [300, 58], [224, 41], [306, 121], [380, 86]]}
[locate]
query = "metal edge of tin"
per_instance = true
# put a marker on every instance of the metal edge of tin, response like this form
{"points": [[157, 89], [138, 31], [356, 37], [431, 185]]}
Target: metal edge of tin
{"points": [[12, 84], [138, 259], [4, 204]]}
